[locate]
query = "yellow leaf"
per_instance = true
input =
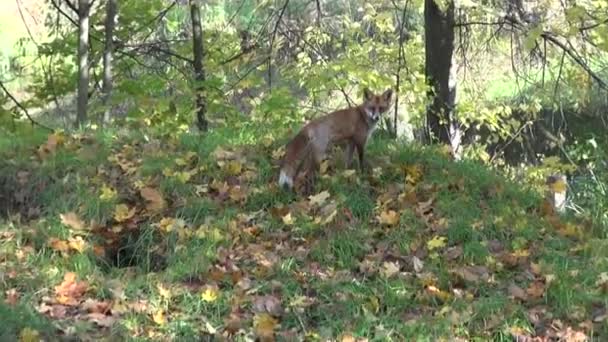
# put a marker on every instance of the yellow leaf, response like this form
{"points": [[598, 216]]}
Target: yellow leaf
{"points": [[159, 317], [436, 242], [264, 325], [233, 168], [122, 213], [29, 335], [210, 294], [163, 291], [278, 153], [72, 220], [319, 198], [288, 219], [389, 218], [107, 193], [324, 166], [77, 244]]}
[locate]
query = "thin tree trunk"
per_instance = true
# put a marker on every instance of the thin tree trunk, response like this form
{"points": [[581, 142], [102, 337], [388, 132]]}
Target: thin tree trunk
{"points": [[439, 42], [83, 62], [199, 72], [111, 9]]}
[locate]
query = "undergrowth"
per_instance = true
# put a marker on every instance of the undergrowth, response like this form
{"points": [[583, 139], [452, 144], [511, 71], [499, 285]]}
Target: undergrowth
{"points": [[187, 237]]}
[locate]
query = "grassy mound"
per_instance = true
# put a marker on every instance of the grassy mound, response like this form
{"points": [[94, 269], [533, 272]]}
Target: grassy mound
{"points": [[188, 237]]}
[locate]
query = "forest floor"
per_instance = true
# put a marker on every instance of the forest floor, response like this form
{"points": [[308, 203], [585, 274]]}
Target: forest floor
{"points": [[142, 236]]}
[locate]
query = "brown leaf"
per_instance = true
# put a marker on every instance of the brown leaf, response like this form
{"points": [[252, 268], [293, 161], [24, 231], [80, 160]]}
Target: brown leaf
{"points": [[269, 304], [70, 291], [389, 269], [517, 292], [264, 326], [154, 199], [389, 218], [453, 253], [95, 306], [12, 297], [536, 289], [101, 319], [72, 220]]}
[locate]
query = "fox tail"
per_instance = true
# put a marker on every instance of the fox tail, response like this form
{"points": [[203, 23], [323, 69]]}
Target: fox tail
{"points": [[295, 151]]}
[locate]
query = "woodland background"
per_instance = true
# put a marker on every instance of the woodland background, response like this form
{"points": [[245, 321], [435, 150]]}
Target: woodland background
{"points": [[140, 143]]}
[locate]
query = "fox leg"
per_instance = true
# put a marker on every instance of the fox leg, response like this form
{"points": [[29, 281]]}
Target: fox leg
{"points": [[350, 150], [363, 165]]}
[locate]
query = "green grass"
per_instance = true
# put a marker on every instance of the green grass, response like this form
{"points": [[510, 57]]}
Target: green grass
{"points": [[330, 279]]}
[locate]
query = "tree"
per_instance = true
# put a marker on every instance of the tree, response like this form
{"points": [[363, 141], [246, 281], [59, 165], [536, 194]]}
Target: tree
{"points": [[83, 61], [111, 9], [439, 42], [199, 72]]}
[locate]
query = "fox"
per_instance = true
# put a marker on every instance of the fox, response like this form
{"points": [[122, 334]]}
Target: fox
{"points": [[351, 126]]}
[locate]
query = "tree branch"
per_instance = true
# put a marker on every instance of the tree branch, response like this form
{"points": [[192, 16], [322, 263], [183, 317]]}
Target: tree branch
{"points": [[25, 111]]}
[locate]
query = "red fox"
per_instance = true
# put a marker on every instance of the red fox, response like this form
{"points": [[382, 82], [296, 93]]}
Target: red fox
{"points": [[352, 126]]}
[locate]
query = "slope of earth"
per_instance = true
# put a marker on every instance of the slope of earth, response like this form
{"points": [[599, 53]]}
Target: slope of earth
{"points": [[149, 237]]}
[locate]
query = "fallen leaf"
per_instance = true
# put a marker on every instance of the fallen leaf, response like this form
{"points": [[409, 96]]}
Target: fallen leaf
{"points": [[77, 244], [159, 317], [122, 213], [536, 289], [72, 220], [389, 269], [29, 335], [389, 218], [107, 193], [154, 199], [70, 290], [436, 242], [12, 297], [319, 198], [59, 245], [210, 294], [288, 219], [517, 292], [269, 304], [418, 264], [102, 320], [264, 325]]}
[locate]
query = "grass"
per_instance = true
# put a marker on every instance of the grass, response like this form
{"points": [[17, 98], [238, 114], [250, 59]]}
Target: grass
{"points": [[228, 232]]}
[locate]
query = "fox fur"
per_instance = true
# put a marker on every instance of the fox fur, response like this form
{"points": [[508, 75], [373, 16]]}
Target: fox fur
{"points": [[352, 126]]}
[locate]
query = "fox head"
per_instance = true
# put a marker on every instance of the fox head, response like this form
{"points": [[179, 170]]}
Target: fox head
{"points": [[375, 105]]}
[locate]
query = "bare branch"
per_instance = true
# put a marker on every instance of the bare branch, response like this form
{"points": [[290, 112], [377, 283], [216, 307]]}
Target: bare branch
{"points": [[23, 109]]}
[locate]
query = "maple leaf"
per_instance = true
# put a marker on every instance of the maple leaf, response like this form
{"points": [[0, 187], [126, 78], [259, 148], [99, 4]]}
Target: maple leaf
{"points": [[163, 291], [77, 244], [264, 325], [107, 193], [389, 269], [389, 218], [122, 213], [72, 220], [210, 294], [319, 198], [70, 291], [288, 219], [159, 317], [154, 200], [436, 242]]}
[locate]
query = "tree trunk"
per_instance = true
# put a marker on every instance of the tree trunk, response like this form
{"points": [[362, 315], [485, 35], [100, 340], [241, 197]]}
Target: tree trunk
{"points": [[440, 74], [197, 46], [111, 9], [83, 62]]}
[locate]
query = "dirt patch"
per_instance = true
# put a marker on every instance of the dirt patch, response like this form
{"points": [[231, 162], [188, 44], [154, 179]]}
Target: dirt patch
{"points": [[20, 193]]}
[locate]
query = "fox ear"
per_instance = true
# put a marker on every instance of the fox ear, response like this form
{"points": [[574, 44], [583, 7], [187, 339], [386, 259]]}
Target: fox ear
{"points": [[387, 94], [367, 95]]}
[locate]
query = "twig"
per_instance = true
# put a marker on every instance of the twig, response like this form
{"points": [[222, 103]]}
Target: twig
{"points": [[272, 37], [25, 111]]}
